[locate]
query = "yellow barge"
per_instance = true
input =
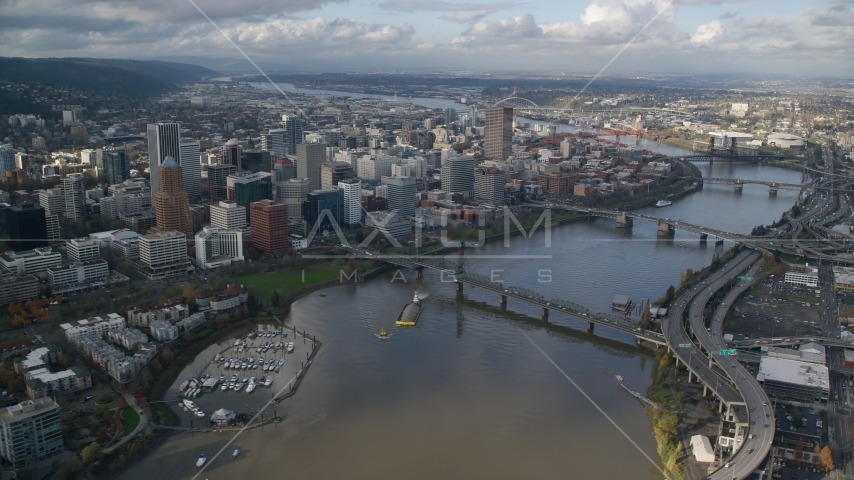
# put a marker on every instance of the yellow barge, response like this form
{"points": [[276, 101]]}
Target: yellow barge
{"points": [[410, 313]]}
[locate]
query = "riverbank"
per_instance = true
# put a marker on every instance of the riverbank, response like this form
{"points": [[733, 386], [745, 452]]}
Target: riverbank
{"points": [[678, 143]]}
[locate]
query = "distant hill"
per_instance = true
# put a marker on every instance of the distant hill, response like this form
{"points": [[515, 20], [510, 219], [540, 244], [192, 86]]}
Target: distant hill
{"points": [[121, 77]]}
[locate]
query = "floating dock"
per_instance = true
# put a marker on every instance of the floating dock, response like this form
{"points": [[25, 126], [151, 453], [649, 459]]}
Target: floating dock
{"points": [[622, 303], [641, 397]]}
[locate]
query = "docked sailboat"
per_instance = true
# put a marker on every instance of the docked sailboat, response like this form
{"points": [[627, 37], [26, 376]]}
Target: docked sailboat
{"points": [[201, 461]]}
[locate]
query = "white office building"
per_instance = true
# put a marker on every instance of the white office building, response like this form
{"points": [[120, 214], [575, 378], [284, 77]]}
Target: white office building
{"points": [[375, 167], [82, 250], [216, 247], [806, 279], [52, 201], [163, 254], [73, 194], [78, 276], [30, 431], [35, 261], [228, 215], [352, 201]]}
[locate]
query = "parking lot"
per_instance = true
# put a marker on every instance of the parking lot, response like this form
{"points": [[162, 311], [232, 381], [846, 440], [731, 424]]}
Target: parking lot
{"points": [[775, 309]]}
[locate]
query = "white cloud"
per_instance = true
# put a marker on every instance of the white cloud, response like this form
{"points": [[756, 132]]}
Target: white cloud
{"points": [[708, 32], [524, 26], [456, 12]]}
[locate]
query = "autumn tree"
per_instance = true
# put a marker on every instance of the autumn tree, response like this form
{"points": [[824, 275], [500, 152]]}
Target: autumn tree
{"points": [[189, 292], [799, 452], [91, 452], [665, 361], [123, 404], [102, 436], [69, 469], [825, 459]]}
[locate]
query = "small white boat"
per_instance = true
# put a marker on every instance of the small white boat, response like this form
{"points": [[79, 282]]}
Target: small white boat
{"points": [[268, 382], [290, 347], [224, 386], [201, 461], [663, 203], [236, 453]]}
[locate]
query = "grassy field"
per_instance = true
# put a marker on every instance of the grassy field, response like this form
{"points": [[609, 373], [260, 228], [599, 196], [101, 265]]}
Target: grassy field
{"points": [[286, 281], [131, 419], [17, 339]]}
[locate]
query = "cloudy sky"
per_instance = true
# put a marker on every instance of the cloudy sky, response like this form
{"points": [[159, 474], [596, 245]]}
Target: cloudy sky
{"points": [[798, 37]]}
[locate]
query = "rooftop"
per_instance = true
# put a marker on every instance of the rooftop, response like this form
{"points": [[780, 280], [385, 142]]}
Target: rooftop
{"points": [[795, 372], [26, 409]]}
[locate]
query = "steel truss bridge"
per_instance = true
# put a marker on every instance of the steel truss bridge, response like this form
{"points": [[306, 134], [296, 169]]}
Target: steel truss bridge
{"points": [[456, 272]]}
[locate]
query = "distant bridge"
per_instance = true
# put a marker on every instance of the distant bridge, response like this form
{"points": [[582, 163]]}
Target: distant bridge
{"points": [[739, 183]]}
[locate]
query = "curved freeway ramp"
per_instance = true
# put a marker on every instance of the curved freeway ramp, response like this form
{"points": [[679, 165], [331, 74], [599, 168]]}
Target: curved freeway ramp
{"points": [[760, 430], [735, 385]]}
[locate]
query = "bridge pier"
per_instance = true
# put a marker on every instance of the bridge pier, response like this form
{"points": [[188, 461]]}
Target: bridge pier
{"points": [[590, 326], [704, 237], [459, 285], [772, 190], [739, 186], [545, 315], [665, 229], [624, 221], [503, 301], [690, 376], [720, 406], [705, 389], [419, 272], [719, 241]]}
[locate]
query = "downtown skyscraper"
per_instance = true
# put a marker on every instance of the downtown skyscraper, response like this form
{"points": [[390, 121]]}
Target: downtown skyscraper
{"points": [[498, 133], [164, 140]]}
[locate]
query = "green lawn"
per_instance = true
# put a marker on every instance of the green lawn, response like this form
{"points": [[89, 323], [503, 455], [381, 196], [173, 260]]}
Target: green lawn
{"points": [[175, 291], [286, 281], [131, 419], [17, 339]]}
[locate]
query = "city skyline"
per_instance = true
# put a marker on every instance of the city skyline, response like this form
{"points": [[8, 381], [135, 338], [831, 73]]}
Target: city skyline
{"points": [[686, 36]]}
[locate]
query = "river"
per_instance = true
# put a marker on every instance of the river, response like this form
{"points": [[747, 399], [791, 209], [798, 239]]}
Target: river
{"points": [[469, 392]]}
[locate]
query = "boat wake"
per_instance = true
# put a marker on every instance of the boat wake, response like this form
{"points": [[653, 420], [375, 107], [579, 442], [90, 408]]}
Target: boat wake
{"points": [[369, 306]]}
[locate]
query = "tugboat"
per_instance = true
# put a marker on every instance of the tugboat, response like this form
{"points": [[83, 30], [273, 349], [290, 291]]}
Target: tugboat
{"points": [[383, 334], [410, 313]]}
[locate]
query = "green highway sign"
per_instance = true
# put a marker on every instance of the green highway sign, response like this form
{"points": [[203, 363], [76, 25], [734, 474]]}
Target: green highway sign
{"points": [[728, 352], [742, 277]]}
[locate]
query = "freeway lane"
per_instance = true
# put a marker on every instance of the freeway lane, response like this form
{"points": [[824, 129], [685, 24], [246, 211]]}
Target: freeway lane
{"points": [[753, 451], [680, 341]]}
